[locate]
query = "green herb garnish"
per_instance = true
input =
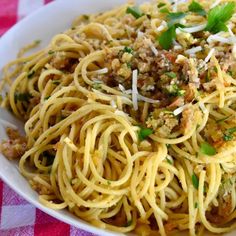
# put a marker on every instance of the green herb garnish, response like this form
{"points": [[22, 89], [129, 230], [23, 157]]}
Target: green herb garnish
{"points": [[135, 11], [50, 52], [167, 37], [218, 16], [128, 223], [195, 181], [47, 97], [196, 205], [174, 17], [228, 134], [174, 90], [22, 97], [31, 74], [207, 149], [97, 86], [128, 50], [171, 74], [169, 161], [56, 82], [144, 133], [86, 17], [196, 8], [161, 4]]}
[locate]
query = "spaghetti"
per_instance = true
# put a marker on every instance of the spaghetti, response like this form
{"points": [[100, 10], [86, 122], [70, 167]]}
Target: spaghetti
{"points": [[130, 118]]}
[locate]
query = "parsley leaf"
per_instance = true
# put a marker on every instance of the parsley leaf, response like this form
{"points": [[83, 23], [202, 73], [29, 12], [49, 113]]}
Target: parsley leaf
{"points": [[218, 16], [31, 74], [195, 181], [196, 205], [171, 74], [228, 134], [174, 17], [167, 37], [144, 133], [196, 8], [207, 149], [128, 50], [161, 5], [22, 97], [135, 11]]}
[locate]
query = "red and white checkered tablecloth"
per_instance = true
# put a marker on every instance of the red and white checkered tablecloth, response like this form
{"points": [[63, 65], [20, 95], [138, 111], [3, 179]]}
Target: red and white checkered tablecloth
{"points": [[17, 216]]}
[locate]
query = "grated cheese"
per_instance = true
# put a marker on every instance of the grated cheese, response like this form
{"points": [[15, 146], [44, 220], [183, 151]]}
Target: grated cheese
{"points": [[145, 99], [113, 104], [70, 144], [101, 71], [179, 110], [135, 89], [218, 38], [150, 44], [215, 4], [193, 50], [208, 57], [193, 29], [162, 26], [121, 87]]}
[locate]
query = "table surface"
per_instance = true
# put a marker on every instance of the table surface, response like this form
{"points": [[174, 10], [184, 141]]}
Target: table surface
{"points": [[17, 216]]}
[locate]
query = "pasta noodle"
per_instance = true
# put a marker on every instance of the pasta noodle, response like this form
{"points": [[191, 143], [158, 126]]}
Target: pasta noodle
{"points": [[130, 118]]}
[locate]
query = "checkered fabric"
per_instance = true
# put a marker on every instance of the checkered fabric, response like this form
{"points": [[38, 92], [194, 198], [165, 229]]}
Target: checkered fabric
{"points": [[17, 216]]}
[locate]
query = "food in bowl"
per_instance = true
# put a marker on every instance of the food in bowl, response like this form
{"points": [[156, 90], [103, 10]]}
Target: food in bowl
{"points": [[130, 118]]}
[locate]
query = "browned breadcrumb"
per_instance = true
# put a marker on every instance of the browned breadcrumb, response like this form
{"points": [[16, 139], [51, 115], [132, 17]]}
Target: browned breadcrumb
{"points": [[15, 147]]}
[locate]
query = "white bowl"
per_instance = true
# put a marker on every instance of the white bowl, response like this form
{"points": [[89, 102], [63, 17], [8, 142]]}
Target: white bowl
{"points": [[43, 24]]}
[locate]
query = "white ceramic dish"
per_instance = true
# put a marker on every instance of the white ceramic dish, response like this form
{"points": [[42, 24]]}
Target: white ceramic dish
{"points": [[43, 24]]}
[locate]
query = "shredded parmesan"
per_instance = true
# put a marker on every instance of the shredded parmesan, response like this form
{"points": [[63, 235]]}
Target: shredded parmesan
{"points": [[221, 39], [162, 26], [150, 44], [121, 87], [113, 104], [145, 99], [135, 89], [193, 29], [179, 110], [101, 71], [208, 57], [193, 50], [140, 34], [70, 144], [217, 2]]}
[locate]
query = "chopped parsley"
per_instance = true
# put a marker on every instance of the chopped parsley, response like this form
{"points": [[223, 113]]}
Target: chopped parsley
{"points": [[218, 16], [207, 149], [97, 86], [38, 41], [134, 11], [169, 161], [144, 133], [174, 17], [108, 182], [195, 181], [196, 8], [86, 17], [22, 97], [228, 134], [171, 74], [50, 52], [56, 82], [161, 4], [129, 222], [196, 205], [174, 90], [128, 50], [166, 38], [31, 74], [47, 97]]}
